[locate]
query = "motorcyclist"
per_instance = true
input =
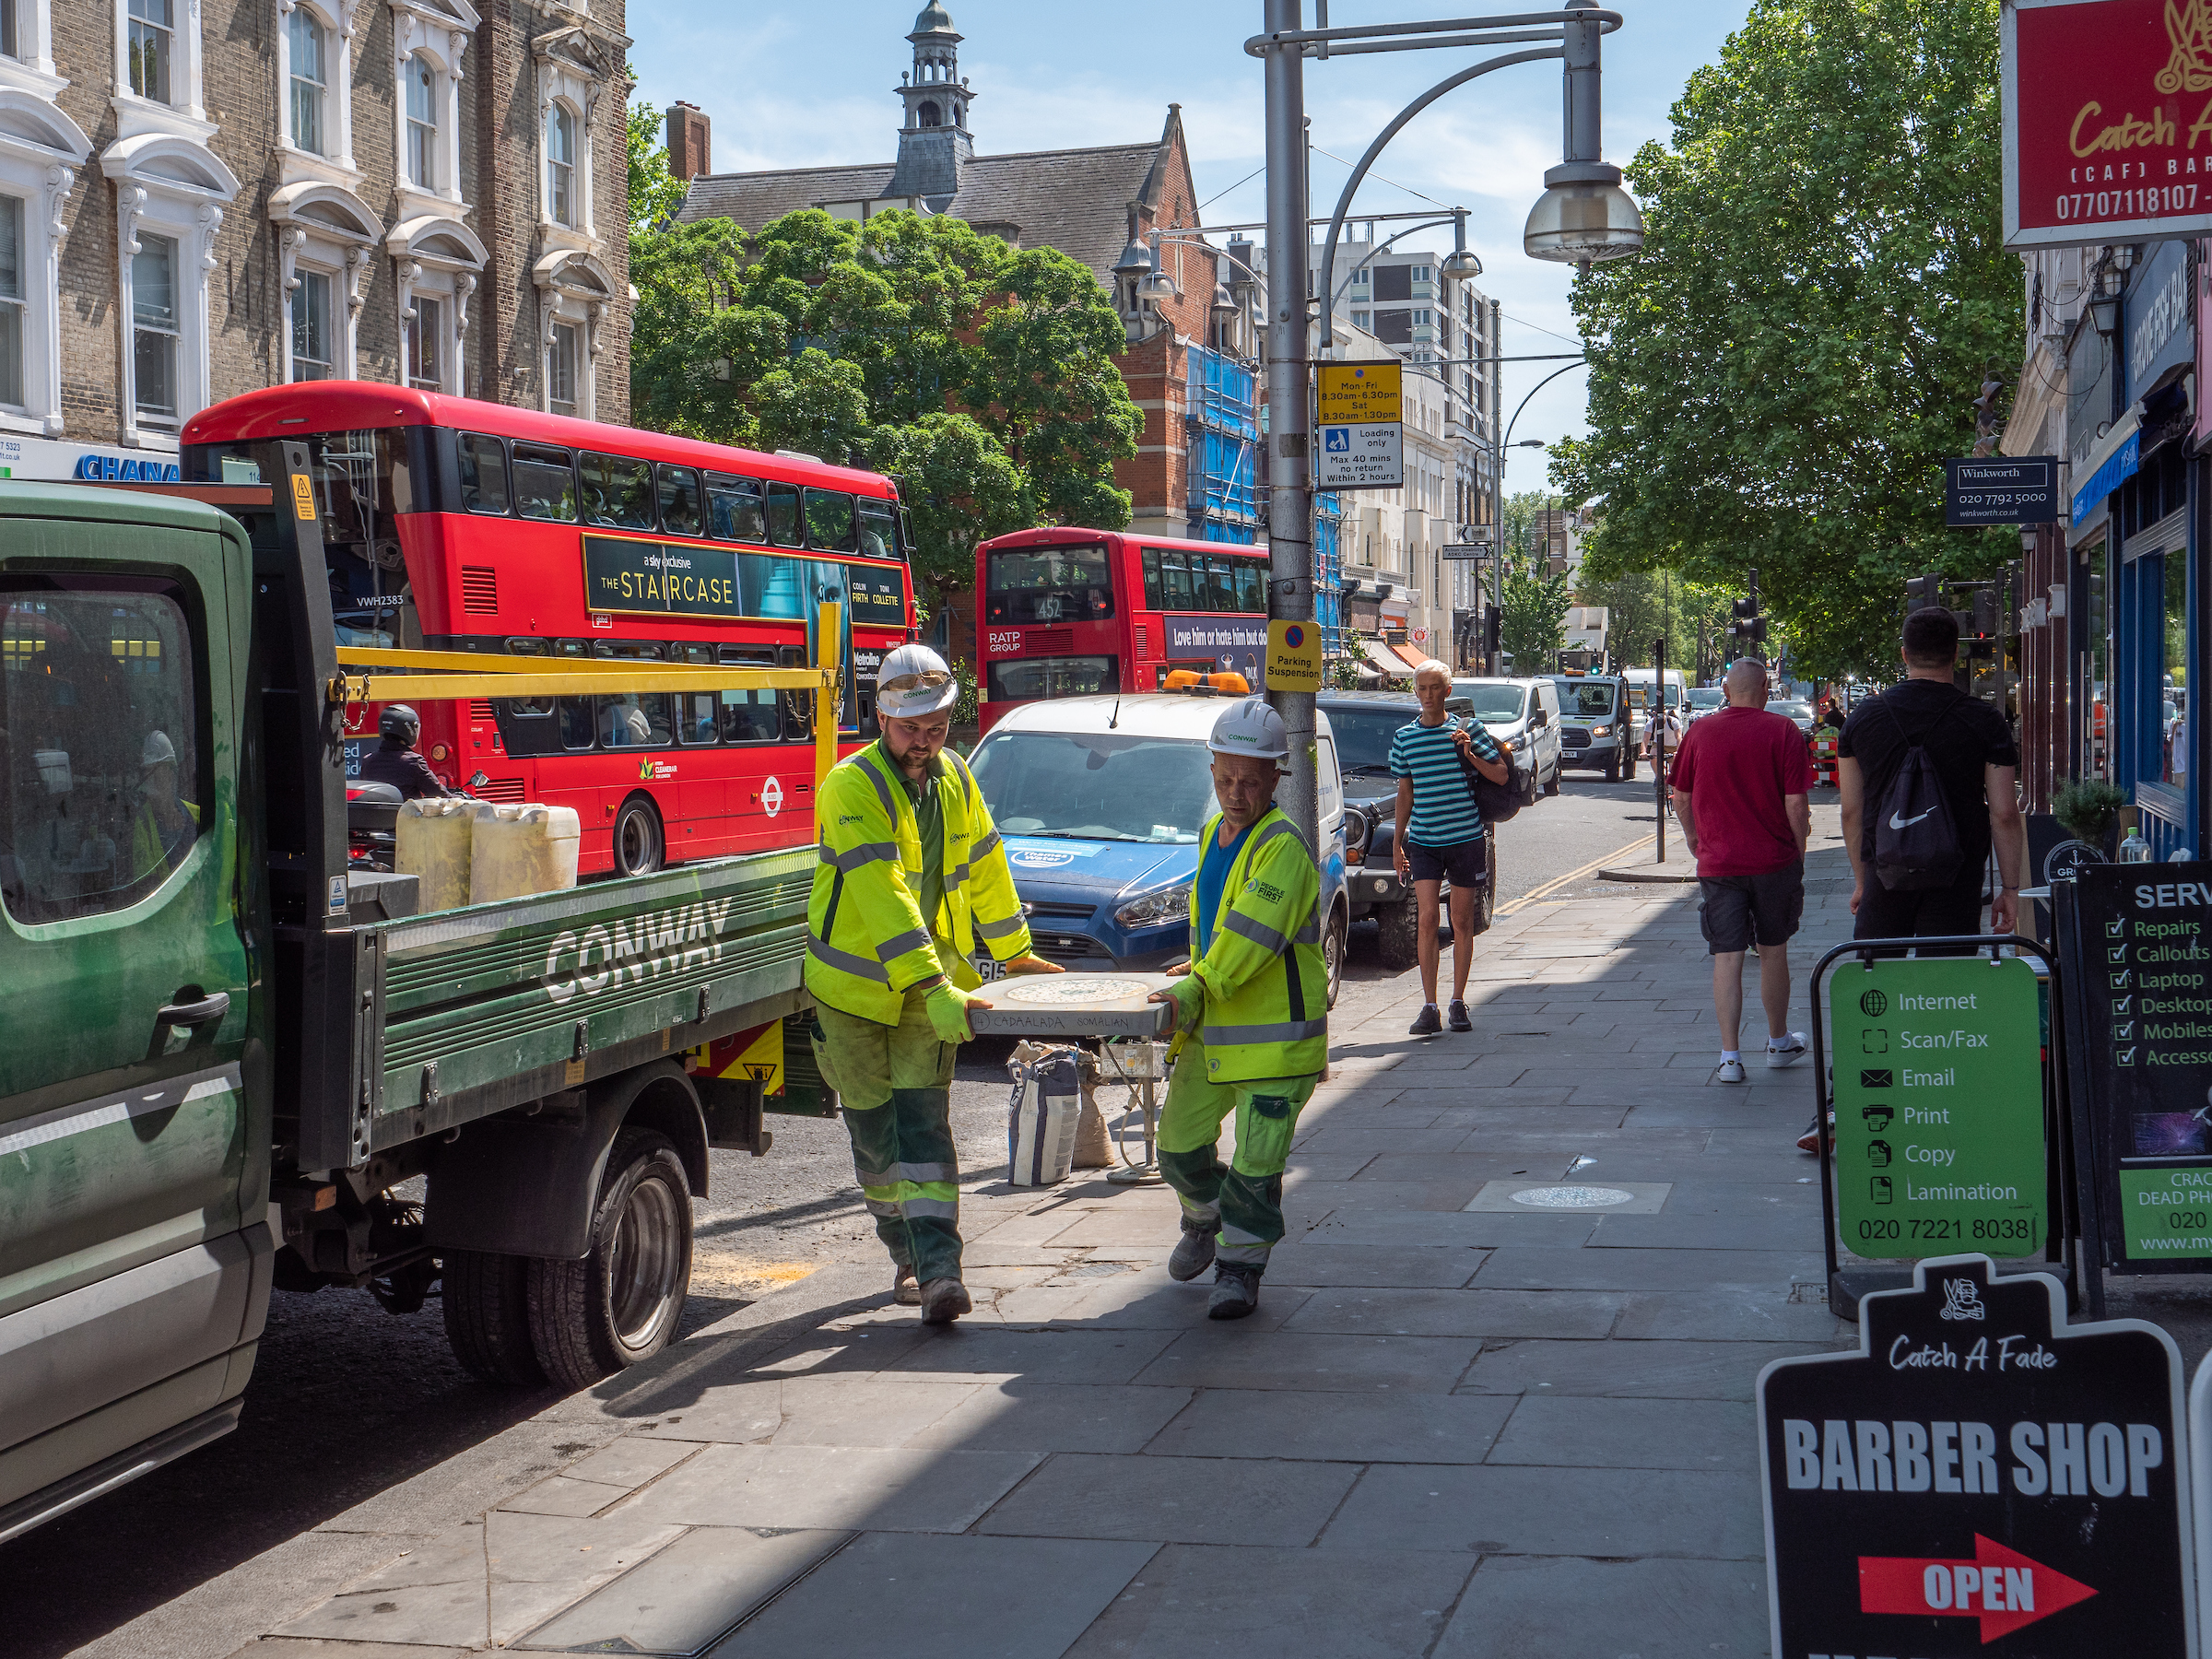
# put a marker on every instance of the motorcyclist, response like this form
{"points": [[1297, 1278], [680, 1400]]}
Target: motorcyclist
{"points": [[397, 761]]}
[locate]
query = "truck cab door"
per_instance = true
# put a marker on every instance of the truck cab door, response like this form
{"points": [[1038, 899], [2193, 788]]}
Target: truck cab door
{"points": [[133, 1255]]}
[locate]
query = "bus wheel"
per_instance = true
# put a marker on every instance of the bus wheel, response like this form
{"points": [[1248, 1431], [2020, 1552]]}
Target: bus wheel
{"points": [[640, 846], [621, 1304], [488, 1316]]}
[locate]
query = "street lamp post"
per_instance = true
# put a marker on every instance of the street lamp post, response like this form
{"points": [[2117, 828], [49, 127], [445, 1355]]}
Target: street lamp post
{"points": [[1584, 215]]}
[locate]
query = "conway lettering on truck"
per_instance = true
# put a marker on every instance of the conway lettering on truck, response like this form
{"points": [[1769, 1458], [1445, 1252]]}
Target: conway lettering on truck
{"points": [[232, 1042]]}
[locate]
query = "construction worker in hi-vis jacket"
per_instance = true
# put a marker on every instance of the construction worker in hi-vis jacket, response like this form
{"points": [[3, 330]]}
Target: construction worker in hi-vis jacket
{"points": [[1253, 1011], [910, 875]]}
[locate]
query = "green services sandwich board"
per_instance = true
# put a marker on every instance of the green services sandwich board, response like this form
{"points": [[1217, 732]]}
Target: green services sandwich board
{"points": [[1939, 1143]]}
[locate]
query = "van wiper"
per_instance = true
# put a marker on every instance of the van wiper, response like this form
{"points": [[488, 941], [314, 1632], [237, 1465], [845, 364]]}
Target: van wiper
{"points": [[1367, 768], [1076, 835]]}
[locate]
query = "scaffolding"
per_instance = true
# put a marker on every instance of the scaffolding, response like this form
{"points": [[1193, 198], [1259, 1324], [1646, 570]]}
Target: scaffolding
{"points": [[1223, 415], [1328, 607]]}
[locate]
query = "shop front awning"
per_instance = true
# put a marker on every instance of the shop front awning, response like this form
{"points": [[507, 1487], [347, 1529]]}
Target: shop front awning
{"points": [[2110, 462], [1384, 661], [1413, 656]]}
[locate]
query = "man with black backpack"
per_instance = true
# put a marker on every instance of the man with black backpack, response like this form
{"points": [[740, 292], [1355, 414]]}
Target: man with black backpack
{"points": [[1925, 773]]}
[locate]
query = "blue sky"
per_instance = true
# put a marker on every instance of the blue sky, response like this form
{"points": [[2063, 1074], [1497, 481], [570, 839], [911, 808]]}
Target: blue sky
{"points": [[812, 85]]}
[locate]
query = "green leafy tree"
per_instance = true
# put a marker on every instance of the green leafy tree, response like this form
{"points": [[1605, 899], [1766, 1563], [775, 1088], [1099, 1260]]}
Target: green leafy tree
{"points": [[1534, 615], [1775, 382], [959, 487], [655, 193]]}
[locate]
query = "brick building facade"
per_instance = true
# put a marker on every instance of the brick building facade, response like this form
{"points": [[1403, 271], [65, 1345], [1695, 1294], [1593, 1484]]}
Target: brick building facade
{"points": [[200, 197]]}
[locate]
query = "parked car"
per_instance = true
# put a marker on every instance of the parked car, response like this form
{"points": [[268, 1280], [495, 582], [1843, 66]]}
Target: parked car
{"points": [[1101, 801], [1593, 724], [1701, 701], [1791, 709], [1523, 715], [1364, 723]]}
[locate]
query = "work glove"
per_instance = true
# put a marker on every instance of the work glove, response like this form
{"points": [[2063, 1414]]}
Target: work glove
{"points": [[947, 1008]]}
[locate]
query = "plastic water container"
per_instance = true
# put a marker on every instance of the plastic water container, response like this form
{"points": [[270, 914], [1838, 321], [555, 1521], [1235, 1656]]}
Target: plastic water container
{"points": [[435, 838], [523, 849]]}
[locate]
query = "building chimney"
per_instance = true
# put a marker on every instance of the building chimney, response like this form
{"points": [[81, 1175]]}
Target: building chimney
{"points": [[688, 134]]}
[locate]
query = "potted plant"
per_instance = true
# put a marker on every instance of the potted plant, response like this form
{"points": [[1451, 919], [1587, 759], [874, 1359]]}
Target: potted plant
{"points": [[2087, 809]]}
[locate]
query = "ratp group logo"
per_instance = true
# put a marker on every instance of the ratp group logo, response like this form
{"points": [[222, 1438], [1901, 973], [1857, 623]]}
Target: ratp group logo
{"points": [[2189, 28], [1874, 1004]]}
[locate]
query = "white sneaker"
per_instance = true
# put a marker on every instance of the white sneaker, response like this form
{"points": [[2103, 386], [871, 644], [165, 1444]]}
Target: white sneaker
{"points": [[1789, 1054], [1731, 1071]]}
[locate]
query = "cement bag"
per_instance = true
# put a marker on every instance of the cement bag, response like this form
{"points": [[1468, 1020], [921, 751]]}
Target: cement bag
{"points": [[1041, 1117]]}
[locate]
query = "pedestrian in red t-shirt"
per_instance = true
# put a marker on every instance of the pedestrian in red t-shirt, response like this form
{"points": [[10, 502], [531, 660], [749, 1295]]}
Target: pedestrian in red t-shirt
{"points": [[1739, 782]]}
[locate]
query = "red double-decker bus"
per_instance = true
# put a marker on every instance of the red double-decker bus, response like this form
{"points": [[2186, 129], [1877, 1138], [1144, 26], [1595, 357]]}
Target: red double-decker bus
{"points": [[451, 525], [1064, 611]]}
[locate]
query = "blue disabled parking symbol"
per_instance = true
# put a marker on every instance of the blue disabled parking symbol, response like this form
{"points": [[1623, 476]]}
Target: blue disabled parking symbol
{"points": [[1336, 440]]}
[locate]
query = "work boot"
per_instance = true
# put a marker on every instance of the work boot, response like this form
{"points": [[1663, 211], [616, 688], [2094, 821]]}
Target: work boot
{"points": [[1236, 1292], [905, 1290], [944, 1301], [1194, 1250]]}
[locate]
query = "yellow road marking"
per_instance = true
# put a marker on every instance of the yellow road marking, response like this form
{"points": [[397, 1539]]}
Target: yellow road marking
{"points": [[1535, 894]]}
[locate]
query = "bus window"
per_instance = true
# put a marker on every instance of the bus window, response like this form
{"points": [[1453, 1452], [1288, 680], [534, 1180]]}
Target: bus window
{"points": [[1221, 583], [1252, 585], [1174, 579], [484, 474], [797, 706], [1048, 584], [696, 716], [733, 510], [545, 482], [784, 516], [749, 716], [1026, 677], [877, 539], [830, 521], [634, 719], [618, 491], [527, 723], [679, 499]]}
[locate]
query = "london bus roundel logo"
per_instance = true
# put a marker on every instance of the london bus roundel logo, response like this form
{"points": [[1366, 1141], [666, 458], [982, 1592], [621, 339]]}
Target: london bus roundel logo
{"points": [[772, 796]]}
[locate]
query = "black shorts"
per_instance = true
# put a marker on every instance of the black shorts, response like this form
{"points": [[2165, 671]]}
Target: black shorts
{"points": [[1461, 864], [1927, 912], [1734, 909]]}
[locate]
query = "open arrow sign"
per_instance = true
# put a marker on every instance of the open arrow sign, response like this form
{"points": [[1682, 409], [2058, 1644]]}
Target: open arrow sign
{"points": [[2001, 1587], [1973, 1411]]}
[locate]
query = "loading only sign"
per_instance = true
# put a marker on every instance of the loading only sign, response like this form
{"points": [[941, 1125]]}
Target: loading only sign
{"points": [[1979, 1477], [1939, 1107]]}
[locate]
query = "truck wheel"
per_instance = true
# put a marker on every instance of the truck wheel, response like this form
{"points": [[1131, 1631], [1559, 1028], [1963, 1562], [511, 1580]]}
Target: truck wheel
{"points": [[1333, 944], [618, 1305], [641, 845], [486, 1301], [1400, 939], [1627, 766], [1552, 787], [1612, 770]]}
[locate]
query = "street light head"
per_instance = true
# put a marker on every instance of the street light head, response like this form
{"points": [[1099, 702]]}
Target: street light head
{"points": [[2104, 315], [1461, 266], [1529, 443], [1584, 216], [1158, 287]]}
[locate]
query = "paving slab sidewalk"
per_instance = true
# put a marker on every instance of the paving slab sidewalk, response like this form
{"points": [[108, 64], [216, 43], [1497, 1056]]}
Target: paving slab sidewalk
{"points": [[1520, 1427]]}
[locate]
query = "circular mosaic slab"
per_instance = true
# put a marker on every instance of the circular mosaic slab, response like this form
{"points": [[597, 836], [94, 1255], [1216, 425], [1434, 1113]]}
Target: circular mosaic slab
{"points": [[1572, 1197], [1060, 990]]}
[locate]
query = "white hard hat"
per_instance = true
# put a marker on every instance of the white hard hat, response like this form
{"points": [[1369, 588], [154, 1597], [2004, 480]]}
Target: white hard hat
{"points": [[914, 681], [1249, 726], [157, 751]]}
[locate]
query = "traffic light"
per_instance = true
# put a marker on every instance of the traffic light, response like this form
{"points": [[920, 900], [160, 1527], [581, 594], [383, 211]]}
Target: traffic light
{"points": [[1493, 631], [1748, 628], [1922, 593]]}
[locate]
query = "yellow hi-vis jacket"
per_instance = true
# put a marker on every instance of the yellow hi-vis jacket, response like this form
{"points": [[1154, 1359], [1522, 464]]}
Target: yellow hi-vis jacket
{"points": [[1266, 984], [868, 941]]}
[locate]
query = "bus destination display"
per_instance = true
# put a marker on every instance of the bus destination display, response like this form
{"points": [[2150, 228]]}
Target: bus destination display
{"points": [[1939, 1107], [2142, 935]]}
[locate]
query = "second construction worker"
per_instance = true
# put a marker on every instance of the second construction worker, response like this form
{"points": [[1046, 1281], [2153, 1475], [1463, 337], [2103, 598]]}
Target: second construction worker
{"points": [[910, 875], [1252, 1014]]}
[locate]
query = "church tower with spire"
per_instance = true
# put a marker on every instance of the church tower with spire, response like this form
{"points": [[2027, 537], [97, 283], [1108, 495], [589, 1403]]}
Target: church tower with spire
{"points": [[935, 145]]}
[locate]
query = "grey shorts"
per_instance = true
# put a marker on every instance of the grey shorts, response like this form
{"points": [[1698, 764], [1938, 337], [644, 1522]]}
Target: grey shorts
{"points": [[1734, 909]]}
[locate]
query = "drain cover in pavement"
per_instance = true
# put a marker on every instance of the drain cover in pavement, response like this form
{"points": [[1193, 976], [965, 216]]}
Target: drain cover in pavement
{"points": [[1524, 1196], [1572, 1197]]}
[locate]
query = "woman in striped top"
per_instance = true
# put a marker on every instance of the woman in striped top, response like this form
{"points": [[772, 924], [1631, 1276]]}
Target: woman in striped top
{"points": [[1440, 830]]}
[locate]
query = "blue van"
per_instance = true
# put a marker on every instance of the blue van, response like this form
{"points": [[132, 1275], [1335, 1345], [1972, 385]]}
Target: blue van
{"points": [[1100, 800]]}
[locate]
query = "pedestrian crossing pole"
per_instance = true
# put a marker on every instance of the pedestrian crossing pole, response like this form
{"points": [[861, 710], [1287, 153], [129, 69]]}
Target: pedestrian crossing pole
{"points": [[1659, 744]]}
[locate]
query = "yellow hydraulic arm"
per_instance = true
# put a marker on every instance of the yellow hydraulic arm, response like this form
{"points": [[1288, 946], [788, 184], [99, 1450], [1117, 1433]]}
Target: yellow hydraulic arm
{"points": [[383, 675]]}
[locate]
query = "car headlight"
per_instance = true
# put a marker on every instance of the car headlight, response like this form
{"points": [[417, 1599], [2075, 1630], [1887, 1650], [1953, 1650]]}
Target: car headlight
{"points": [[1601, 730], [1151, 909], [1517, 744]]}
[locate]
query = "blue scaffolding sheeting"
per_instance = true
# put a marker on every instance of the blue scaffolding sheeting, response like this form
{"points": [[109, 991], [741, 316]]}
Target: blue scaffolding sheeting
{"points": [[1328, 607], [1224, 457]]}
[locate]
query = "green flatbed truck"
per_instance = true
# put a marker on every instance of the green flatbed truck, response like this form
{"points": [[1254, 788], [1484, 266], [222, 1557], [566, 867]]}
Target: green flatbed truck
{"points": [[226, 1048]]}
